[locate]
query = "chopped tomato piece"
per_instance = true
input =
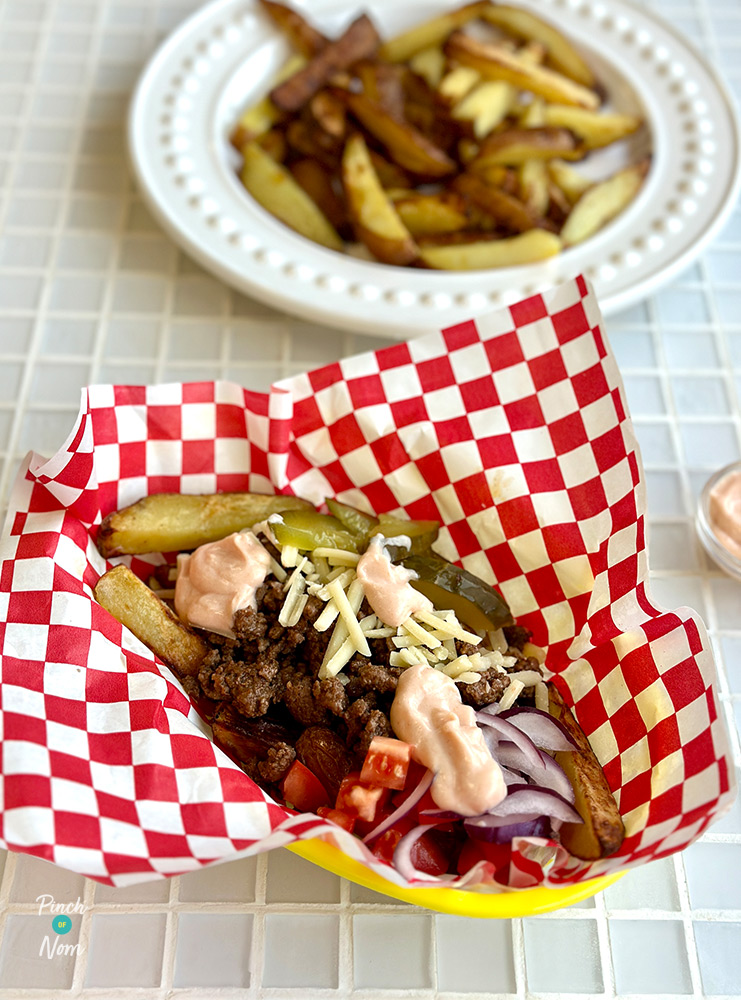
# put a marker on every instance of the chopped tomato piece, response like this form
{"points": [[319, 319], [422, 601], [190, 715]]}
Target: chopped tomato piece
{"points": [[359, 799], [429, 855], [498, 855], [302, 789], [386, 763], [384, 846], [338, 817]]}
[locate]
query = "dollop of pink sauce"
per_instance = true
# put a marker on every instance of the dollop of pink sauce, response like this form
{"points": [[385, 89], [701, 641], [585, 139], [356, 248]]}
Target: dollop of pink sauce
{"points": [[386, 586], [219, 578], [725, 512], [428, 713]]}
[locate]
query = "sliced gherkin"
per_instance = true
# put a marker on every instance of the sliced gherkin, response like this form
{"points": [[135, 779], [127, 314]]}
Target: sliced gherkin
{"points": [[421, 533], [475, 602], [308, 530], [354, 520]]}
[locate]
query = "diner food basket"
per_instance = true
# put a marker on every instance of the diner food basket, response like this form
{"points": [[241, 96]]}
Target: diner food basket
{"points": [[511, 429]]}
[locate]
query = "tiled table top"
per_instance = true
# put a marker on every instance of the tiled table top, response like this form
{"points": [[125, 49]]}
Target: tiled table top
{"points": [[91, 290]]}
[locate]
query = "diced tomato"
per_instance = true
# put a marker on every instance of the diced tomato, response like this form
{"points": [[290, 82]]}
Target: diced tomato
{"points": [[385, 845], [338, 817], [356, 798], [498, 855], [386, 763], [429, 855], [302, 789], [414, 775]]}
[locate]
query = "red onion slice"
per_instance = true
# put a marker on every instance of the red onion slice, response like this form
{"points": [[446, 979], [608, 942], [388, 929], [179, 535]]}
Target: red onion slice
{"points": [[555, 778], [407, 805], [546, 732], [539, 801], [403, 854], [507, 731], [525, 825]]}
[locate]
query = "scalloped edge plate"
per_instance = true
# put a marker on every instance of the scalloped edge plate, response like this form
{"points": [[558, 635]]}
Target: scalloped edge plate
{"points": [[224, 56]]}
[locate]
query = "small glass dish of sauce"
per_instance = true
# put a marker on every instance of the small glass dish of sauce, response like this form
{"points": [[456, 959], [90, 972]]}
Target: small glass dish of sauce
{"points": [[718, 518]]}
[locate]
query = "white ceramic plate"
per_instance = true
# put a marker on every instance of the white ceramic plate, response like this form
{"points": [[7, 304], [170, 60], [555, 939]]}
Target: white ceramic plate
{"points": [[224, 57]]}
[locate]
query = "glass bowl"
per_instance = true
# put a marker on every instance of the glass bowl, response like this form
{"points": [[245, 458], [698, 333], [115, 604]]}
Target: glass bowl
{"points": [[707, 529]]}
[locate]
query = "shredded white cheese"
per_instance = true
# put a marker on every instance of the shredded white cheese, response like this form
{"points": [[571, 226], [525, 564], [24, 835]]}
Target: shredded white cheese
{"points": [[511, 695]]}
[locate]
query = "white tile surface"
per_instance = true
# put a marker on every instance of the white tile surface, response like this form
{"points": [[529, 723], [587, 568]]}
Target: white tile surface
{"points": [[92, 290]]}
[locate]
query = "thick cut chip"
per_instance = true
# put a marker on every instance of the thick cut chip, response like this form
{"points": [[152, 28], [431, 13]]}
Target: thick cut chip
{"points": [[134, 605], [430, 33], [273, 187], [602, 202], [525, 248], [602, 831], [175, 522]]}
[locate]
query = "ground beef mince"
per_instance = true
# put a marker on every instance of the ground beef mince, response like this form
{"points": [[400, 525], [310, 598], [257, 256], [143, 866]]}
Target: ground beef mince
{"points": [[268, 677]]}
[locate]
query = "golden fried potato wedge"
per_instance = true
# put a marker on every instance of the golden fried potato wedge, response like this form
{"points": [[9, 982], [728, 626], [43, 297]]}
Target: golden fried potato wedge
{"points": [[424, 214], [532, 178], [273, 187], [383, 82], [359, 41], [301, 35], [504, 208], [431, 32], [523, 24], [602, 202], [263, 115], [405, 144], [456, 83], [175, 522], [568, 179], [594, 129], [525, 248], [518, 145], [496, 62], [429, 64], [486, 106], [602, 831], [134, 605], [323, 189], [376, 222]]}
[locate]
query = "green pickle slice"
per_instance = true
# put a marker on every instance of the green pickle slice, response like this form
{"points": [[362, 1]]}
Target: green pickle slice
{"points": [[354, 520], [421, 533], [311, 530], [449, 587]]}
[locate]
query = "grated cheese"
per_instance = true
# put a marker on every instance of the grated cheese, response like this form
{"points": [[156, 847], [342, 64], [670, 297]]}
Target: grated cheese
{"points": [[337, 661], [288, 556], [349, 616], [337, 557], [449, 628], [288, 615], [423, 635], [511, 695], [327, 617], [541, 696]]}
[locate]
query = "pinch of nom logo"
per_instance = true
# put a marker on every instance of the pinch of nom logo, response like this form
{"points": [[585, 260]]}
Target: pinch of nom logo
{"points": [[61, 923]]}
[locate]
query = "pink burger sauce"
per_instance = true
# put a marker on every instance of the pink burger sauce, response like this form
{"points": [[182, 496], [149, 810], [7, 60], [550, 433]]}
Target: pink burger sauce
{"points": [[725, 512], [428, 713], [218, 579], [386, 586]]}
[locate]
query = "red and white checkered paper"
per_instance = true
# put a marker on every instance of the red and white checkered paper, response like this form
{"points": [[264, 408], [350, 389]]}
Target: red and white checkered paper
{"points": [[511, 430]]}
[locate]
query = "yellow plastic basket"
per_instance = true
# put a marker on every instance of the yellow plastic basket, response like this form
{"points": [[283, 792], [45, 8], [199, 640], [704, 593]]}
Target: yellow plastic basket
{"points": [[462, 903]]}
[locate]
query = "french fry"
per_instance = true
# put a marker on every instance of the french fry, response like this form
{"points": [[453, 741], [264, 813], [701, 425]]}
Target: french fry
{"points": [[532, 179], [319, 184], [424, 214], [496, 62], [261, 117], [360, 41], [485, 107], [602, 202], [405, 144], [525, 248], [376, 222], [429, 64], [602, 831], [593, 129], [134, 605], [562, 55], [569, 180], [431, 32], [504, 208], [457, 83], [302, 36], [274, 188], [170, 522], [383, 82], [518, 145]]}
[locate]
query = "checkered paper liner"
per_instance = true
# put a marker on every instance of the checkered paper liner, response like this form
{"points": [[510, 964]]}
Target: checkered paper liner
{"points": [[511, 430]]}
